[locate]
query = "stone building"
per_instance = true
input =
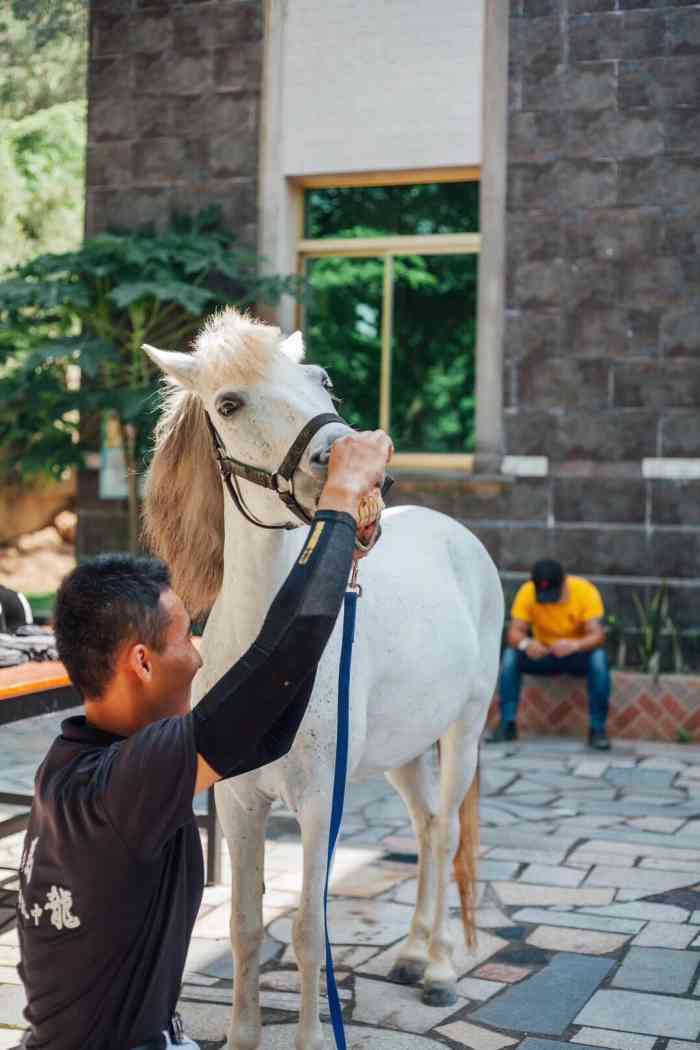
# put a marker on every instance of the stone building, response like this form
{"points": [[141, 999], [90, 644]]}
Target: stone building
{"points": [[581, 118]]}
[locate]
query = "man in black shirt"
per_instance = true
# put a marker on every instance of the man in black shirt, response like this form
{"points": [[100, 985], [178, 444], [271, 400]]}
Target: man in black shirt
{"points": [[111, 875]]}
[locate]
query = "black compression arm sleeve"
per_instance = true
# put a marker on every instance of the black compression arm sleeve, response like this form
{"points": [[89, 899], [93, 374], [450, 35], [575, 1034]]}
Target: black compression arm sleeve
{"points": [[251, 715]]}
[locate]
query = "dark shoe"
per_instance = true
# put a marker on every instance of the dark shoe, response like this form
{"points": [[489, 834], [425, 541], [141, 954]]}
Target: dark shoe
{"points": [[504, 731], [598, 739]]}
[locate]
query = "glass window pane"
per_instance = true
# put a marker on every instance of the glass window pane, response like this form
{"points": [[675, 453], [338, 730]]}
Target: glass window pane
{"points": [[375, 211], [343, 331], [433, 353]]}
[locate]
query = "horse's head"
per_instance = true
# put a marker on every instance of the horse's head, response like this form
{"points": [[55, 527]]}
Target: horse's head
{"points": [[259, 396]]}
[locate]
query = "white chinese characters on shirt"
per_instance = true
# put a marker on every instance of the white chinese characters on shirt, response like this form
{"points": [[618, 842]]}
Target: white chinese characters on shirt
{"points": [[59, 901]]}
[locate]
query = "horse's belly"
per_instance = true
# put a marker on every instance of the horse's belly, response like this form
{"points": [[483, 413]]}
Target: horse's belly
{"points": [[421, 677]]}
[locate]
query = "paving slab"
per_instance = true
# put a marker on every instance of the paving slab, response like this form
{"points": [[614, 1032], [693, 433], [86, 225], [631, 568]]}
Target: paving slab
{"points": [[642, 1012], [578, 920], [666, 825], [657, 970], [471, 1035], [476, 988], [551, 875], [402, 1009], [12, 1004], [521, 893], [282, 1037], [642, 910], [463, 960], [614, 1040], [502, 972], [636, 777], [547, 1002], [641, 880], [356, 922], [585, 942], [666, 935], [9, 1038]]}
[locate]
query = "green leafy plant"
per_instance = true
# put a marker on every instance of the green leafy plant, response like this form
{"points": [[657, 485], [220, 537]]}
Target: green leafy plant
{"points": [[617, 640], [655, 623], [71, 330]]}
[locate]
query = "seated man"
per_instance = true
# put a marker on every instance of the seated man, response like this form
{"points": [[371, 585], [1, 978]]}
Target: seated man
{"points": [[564, 615]]}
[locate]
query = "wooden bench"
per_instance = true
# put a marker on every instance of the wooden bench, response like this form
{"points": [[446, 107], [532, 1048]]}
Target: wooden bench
{"points": [[41, 688]]}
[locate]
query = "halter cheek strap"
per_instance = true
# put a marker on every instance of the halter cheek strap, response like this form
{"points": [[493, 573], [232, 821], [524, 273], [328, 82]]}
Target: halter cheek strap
{"points": [[280, 482]]}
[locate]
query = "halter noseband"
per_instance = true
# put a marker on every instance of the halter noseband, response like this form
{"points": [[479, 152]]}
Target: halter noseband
{"points": [[280, 482]]}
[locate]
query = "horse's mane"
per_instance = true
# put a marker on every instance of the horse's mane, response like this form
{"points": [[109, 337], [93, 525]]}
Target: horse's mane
{"points": [[183, 510]]}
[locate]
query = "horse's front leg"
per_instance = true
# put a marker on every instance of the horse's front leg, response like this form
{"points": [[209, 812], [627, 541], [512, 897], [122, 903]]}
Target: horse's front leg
{"points": [[244, 820], [458, 761], [309, 941]]}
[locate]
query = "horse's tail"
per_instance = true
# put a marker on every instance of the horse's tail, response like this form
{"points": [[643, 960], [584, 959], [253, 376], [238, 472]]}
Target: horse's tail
{"points": [[465, 859]]}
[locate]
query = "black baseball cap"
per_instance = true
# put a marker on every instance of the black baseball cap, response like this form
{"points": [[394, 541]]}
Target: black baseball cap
{"points": [[548, 578]]}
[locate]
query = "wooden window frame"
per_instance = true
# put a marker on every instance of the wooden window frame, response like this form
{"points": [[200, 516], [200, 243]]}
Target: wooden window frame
{"points": [[387, 248]]}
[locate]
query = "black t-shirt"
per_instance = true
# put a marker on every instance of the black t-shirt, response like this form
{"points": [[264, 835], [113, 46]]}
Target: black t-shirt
{"points": [[111, 882]]}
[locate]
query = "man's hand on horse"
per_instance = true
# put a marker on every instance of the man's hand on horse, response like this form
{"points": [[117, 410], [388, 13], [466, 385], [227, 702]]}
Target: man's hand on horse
{"points": [[356, 471]]}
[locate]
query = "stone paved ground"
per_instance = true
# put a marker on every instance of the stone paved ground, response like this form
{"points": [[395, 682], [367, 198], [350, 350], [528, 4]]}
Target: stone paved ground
{"points": [[589, 914]]}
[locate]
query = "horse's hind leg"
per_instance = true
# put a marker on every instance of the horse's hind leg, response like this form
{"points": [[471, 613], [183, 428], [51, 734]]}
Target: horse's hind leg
{"points": [[243, 820], [458, 762], [417, 785]]}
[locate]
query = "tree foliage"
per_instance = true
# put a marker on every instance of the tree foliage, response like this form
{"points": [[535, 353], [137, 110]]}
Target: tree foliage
{"points": [[43, 54], [434, 317], [73, 325], [42, 171]]}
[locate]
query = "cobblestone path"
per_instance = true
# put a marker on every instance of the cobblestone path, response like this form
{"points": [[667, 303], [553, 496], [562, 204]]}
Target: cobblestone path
{"points": [[589, 913]]}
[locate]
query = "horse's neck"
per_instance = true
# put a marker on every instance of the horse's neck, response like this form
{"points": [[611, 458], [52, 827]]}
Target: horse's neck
{"points": [[256, 563]]}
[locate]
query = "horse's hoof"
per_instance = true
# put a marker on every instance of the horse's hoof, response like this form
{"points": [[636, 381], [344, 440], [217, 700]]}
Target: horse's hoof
{"points": [[439, 995], [407, 971]]}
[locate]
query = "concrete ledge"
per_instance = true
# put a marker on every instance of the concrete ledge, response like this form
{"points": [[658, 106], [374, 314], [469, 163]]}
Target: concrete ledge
{"points": [[640, 709], [673, 469]]}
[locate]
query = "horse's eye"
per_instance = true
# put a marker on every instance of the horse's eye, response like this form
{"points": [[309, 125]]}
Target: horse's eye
{"points": [[227, 405]]}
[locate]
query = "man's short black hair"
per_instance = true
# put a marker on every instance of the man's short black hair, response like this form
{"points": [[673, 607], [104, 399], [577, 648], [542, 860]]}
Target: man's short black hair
{"points": [[102, 604]]}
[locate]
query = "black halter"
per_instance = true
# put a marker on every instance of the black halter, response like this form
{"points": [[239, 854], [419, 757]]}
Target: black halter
{"points": [[280, 482]]}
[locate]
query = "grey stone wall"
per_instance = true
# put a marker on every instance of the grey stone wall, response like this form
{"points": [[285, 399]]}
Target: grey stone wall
{"points": [[173, 125], [603, 319], [601, 355], [173, 120]]}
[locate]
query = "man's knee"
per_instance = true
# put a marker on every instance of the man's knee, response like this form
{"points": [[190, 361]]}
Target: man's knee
{"points": [[510, 661], [598, 661]]}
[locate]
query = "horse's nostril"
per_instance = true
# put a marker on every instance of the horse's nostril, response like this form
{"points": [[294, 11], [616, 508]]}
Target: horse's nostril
{"points": [[320, 458]]}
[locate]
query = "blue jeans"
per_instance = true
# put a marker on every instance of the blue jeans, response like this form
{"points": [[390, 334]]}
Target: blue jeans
{"points": [[592, 665]]}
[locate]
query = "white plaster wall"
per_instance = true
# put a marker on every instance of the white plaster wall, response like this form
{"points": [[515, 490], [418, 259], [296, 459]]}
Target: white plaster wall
{"points": [[379, 85]]}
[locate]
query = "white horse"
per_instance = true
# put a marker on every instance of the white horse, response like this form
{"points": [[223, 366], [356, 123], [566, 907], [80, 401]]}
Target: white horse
{"points": [[424, 665]]}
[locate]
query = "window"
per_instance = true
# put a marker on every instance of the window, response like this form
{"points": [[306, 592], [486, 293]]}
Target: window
{"points": [[390, 310]]}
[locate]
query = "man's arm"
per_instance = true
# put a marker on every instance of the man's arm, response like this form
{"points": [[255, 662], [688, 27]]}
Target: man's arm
{"points": [[250, 717], [592, 638], [519, 633]]}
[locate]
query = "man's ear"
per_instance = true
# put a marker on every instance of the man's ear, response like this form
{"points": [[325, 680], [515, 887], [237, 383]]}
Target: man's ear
{"points": [[138, 660], [183, 368]]}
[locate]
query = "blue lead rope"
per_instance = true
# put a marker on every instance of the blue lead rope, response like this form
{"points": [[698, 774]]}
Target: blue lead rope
{"points": [[341, 774]]}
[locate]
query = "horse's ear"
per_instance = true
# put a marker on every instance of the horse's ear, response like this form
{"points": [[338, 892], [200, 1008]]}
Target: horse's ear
{"points": [[183, 368], [293, 347]]}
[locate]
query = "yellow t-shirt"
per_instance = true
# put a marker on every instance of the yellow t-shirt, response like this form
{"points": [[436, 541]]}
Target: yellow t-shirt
{"points": [[580, 601]]}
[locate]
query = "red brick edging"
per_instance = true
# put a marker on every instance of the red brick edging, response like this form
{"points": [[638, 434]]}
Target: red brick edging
{"points": [[640, 709]]}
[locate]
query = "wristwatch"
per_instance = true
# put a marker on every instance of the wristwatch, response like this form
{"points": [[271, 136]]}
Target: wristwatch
{"points": [[523, 645]]}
